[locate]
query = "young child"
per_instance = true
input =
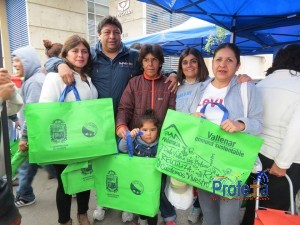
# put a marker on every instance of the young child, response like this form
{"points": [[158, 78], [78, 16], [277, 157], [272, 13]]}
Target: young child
{"points": [[144, 146]]}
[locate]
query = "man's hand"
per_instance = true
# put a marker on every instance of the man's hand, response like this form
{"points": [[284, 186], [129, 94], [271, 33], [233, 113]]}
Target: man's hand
{"points": [[23, 147], [244, 78], [174, 83], [276, 171], [66, 73], [121, 131], [4, 76], [7, 91]]}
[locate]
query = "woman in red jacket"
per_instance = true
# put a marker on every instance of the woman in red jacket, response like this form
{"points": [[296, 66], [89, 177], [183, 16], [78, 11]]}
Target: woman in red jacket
{"points": [[148, 91]]}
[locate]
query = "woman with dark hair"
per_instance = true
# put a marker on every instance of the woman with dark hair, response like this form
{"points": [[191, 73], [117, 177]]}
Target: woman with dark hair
{"points": [[191, 71], [52, 49], [76, 53], [225, 89], [280, 153], [147, 91]]}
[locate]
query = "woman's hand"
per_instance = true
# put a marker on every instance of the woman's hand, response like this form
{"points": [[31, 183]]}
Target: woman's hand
{"points": [[121, 131], [23, 147], [232, 126], [6, 91], [4, 76], [243, 78], [66, 73], [174, 83], [276, 171], [198, 114]]}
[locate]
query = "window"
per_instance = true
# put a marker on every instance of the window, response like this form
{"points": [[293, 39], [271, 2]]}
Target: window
{"points": [[97, 10], [154, 18]]}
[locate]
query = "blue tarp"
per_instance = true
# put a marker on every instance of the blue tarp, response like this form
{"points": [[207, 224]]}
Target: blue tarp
{"points": [[194, 33], [268, 22], [237, 15]]}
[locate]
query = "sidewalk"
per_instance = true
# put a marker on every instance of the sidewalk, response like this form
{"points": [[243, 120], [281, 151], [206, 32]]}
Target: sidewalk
{"points": [[43, 211]]}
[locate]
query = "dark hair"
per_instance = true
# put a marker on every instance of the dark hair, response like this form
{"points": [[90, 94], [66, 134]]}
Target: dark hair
{"points": [[72, 42], [231, 46], [202, 69], [52, 49], [288, 58], [149, 116], [155, 50], [109, 20], [136, 46]]}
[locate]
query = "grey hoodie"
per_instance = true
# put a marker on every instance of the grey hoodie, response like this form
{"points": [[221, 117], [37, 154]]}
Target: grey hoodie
{"points": [[33, 76]]}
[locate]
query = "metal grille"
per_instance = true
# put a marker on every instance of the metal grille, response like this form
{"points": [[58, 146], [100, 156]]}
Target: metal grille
{"points": [[17, 24]]}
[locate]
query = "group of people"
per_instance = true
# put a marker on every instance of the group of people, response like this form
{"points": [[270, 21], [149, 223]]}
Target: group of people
{"points": [[142, 95]]}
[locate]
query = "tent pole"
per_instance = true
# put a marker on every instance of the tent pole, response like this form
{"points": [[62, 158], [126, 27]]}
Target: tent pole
{"points": [[233, 34], [4, 133]]}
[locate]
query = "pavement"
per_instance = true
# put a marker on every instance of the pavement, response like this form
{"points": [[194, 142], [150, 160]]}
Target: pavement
{"points": [[44, 212]]}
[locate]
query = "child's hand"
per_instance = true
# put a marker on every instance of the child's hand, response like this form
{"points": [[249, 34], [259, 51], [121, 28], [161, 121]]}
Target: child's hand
{"points": [[134, 132]]}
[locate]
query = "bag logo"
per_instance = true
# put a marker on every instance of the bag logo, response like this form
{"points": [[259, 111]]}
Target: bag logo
{"points": [[137, 187], [112, 181], [58, 131], [88, 170], [89, 129]]}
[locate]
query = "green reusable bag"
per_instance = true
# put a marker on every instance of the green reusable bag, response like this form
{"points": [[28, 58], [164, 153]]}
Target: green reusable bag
{"points": [[17, 157], [69, 132], [78, 177], [14, 145], [131, 184], [198, 152]]}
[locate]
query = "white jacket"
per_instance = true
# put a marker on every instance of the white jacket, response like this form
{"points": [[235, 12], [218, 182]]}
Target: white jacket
{"points": [[54, 86], [280, 92]]}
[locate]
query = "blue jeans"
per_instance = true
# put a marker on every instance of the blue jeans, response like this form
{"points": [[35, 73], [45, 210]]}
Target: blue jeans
{"points": [[167, 210], [26, 174]]}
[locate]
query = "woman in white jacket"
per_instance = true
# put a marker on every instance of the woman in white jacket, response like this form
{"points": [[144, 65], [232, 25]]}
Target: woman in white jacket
{"points": [[280, 153], [76, 53]]}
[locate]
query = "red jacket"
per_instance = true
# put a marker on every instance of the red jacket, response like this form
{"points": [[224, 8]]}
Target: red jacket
{"points": [[140, 94]]}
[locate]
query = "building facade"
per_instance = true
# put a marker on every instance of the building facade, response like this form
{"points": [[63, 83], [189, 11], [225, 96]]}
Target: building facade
{"points": [[26, 22]]}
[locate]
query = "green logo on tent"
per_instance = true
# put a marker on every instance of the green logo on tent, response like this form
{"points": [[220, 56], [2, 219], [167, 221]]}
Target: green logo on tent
{"points": [[137, 187], [111, 181], [58, 131], [89, 129], [88, 170]]}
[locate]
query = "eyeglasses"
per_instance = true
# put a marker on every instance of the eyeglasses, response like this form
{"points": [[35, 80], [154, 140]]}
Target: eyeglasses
{"points": [[153, 60], [192, 61]]}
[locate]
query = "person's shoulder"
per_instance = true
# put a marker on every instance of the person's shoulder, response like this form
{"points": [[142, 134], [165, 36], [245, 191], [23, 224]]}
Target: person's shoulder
{"points": [[132, 52]]}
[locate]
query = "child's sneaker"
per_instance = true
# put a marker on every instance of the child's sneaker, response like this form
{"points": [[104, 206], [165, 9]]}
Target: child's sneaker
{"points": [[194, 215], [99, 213], [127, 217], [170, 223], [142, 222]]}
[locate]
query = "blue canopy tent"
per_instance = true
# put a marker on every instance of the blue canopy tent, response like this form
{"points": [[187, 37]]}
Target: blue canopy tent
{"points": [[194, 33], [241, 17]]}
